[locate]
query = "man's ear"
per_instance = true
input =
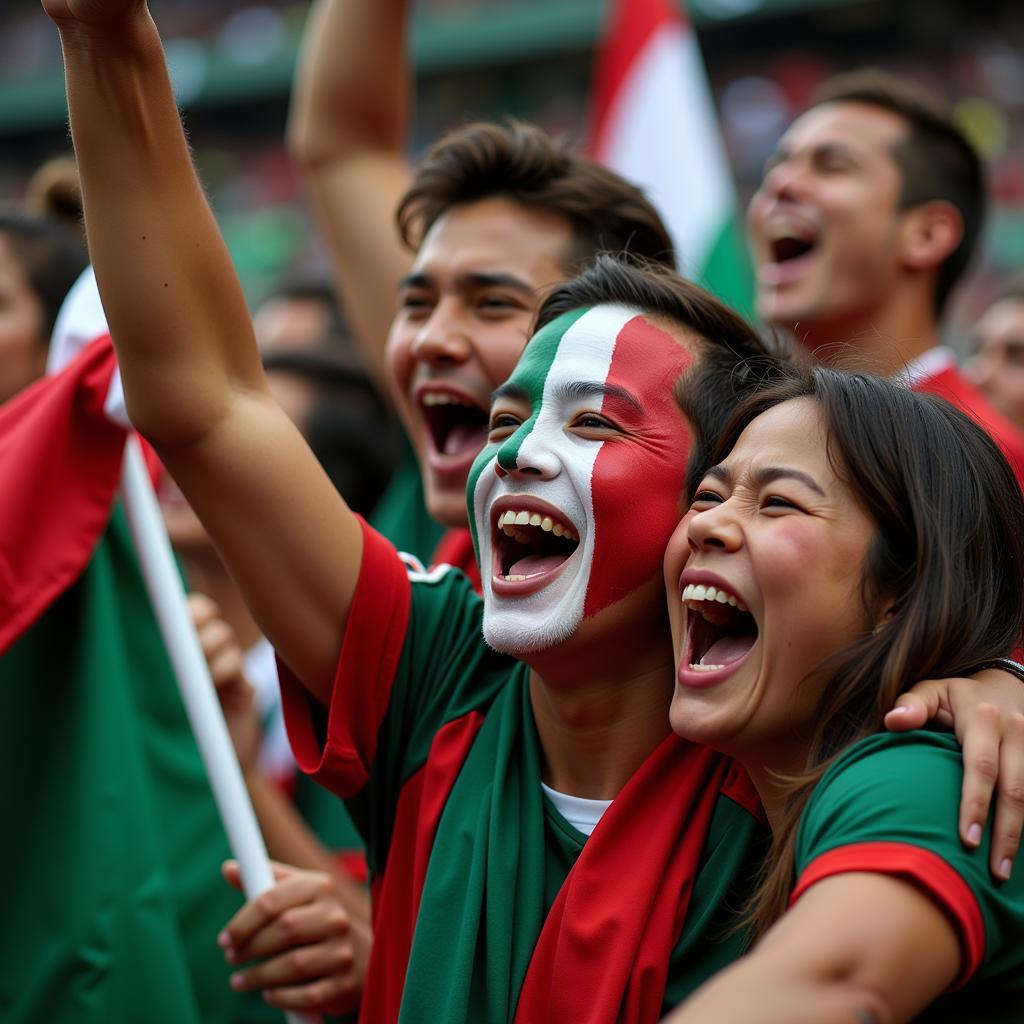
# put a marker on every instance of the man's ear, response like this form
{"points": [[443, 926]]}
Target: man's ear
{"points": [[929, 232]]}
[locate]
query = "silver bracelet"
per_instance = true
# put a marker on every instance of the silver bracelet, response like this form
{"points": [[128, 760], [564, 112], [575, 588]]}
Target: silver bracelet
{"points": [[1015, 668]]}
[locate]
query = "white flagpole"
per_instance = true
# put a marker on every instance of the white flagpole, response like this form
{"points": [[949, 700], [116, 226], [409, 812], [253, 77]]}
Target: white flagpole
{"points": [[197, 690]]}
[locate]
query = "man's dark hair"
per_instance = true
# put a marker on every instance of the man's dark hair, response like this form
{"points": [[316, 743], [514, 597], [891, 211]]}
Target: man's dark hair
{"points": [[521, 162], [935, 158], [734, 360]]}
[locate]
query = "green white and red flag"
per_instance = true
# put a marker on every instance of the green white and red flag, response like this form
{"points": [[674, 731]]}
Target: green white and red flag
{"points": [[654, 123], [114, 840]]}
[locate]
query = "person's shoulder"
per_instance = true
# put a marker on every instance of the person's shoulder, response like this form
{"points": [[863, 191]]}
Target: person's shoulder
{"points": [[952, 385], [874, 789]]}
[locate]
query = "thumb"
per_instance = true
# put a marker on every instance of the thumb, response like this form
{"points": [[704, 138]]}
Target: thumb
{"points": [[233, 873], [911, 711]]}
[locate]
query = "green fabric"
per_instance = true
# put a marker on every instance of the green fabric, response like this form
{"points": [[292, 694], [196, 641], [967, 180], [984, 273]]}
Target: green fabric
{"points": [[466, 965], [727, 271], [905, 788], [113, 844], [401, 514]]}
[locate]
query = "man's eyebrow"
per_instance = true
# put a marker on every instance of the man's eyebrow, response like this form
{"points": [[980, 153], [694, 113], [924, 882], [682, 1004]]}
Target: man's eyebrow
{"points": [[574, 391], [510, 390], [495, 279], [471, 279], [768, 474], [415, 279]]}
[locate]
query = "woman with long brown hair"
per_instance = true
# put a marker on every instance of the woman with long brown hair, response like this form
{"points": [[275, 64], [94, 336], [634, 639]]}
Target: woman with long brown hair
{"points": [[852, 535]]}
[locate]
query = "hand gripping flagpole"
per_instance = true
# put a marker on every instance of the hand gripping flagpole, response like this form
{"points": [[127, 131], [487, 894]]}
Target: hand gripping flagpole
{"points": [[197, 690]]}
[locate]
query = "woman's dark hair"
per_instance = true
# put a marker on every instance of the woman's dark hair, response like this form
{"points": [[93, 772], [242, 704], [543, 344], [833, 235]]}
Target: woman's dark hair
{"points": [[947, 559], [51, 258]]}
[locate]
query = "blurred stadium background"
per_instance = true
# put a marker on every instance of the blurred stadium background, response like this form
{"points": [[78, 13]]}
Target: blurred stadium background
{"points": [[232, 62]]}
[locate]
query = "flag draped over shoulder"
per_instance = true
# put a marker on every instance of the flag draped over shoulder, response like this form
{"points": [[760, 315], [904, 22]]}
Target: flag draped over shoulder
{"points": [[112, 840], [654, 123]]}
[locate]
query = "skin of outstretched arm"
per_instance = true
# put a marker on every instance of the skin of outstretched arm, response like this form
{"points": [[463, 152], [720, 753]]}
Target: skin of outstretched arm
{"points": [[854, 949], [986, 712], [347, 129], [191, 369]]}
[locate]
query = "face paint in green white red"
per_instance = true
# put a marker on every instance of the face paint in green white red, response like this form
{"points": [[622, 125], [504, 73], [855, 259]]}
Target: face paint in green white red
{"points": [[616, 487]]}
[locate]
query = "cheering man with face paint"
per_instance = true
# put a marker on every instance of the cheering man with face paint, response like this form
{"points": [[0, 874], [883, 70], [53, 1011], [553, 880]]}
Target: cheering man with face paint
{"points": [[479, 777]]}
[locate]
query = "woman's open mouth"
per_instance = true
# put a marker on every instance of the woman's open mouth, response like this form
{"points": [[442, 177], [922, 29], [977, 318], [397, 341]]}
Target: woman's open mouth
{"points": [[531, 543], [720, 633]]}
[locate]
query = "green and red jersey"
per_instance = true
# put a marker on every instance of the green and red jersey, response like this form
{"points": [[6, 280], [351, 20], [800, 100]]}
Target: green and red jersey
{"points": [[889, 805], [488, 905]]}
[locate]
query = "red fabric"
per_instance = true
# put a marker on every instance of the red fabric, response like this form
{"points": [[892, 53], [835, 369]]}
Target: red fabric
{"points": [[60, 463], [630, 27], [951, 384], [603, 953], [374, 635], [396, 894], [456, 548], [924, 870]]}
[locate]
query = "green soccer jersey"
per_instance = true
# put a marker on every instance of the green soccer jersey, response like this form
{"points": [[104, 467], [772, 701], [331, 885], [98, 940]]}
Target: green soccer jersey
{"points": [[487, 903], [889, 805]]}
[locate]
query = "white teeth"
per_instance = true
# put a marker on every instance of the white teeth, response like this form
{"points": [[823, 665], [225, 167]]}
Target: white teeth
{"points": [[442, 398], [699, 667], [507, 521], [514, 577], [698, 592]]}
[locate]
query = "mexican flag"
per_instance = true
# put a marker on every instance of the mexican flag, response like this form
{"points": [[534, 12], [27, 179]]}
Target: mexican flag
{"points": [[654, 123], [113, 843]]}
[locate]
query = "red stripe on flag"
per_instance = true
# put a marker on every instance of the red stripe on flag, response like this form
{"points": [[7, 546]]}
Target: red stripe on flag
{"points": [[60, 463], [637, 484], [630, 27]]}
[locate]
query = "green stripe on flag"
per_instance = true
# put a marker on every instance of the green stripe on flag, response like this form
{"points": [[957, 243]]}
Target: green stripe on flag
{"points": [[113, 843], [727, 270]]}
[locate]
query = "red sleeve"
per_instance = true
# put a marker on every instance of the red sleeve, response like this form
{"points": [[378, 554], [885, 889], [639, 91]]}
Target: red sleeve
{"points": [[370, 651], [923, 869]]}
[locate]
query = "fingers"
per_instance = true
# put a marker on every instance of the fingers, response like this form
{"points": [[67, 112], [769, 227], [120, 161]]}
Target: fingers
{"points": [[980, 737], [337, 994], [295, 966], [272, 920], [1006, 830]]}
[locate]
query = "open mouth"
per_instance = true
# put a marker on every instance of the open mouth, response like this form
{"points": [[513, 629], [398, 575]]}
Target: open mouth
{"points": [[457, 425], [529, 544], [790, 247], [720, 629]]}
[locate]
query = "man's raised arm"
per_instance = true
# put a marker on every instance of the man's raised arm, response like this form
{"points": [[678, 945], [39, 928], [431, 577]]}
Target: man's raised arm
{"points": [[191, 370], [347, 128]]}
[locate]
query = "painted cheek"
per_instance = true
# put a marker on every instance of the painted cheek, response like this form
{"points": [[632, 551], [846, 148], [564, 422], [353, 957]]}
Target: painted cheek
{"points": [[637, 489]]}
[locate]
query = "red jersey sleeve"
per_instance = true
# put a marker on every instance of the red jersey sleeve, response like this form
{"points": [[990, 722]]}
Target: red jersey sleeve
{"points": [[337, 747]]}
